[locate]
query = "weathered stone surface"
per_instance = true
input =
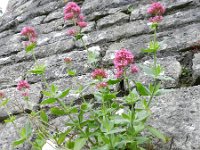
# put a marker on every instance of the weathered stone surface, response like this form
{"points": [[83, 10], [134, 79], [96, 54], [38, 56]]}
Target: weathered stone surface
{"points": [[141, 11], [196, 68], [16, 102], [9, 134], [177, 115], [94, 5], [112, 19], [175, 40], [56, 67], [47, 49], [115, 33], [10, 74], [172, 69], [54, 15]]}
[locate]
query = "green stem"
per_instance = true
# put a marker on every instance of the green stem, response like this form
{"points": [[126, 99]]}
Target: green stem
{"points": [[84, 44], [33, 54], [132, 115]]}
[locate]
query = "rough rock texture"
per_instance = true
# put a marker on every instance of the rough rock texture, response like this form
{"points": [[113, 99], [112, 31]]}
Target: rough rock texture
{"points": [[111, 26]]}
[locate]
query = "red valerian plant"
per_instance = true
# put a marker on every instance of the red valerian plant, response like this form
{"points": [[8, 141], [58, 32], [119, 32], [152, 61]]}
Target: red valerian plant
{"points": [[105, 122], [23, 86], [156, 10], [99, 74]]}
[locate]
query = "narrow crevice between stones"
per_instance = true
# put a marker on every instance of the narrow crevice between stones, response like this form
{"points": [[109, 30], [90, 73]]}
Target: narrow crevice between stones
{"points": [[185, 79]]}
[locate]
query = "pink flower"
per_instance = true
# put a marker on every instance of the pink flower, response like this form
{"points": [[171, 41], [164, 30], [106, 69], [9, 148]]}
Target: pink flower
{"points": [[119, 73], [81, 17], [29, 32], [72, 32], [68, 16], [25, 94], [23, 84], [156, 8], [67, 60], [71, 9], [123, 58], [2, 94], [156, 19], [102, 85], [134, 69], [99, 74], [82, 24]]}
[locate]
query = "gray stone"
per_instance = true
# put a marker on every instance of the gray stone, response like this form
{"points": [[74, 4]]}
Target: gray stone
{"points": [[17, 104], [54, 15], [10, 74], [9, 134], [112, 19], [196, 67], [141, 11], [117, 32], [56, 67], [175, 40], [177, 115], [172, 69]]}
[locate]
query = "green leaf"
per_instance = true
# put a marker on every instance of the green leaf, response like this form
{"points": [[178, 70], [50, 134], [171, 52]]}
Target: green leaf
{"points": [[28, 128], [64, 93], [157, 134], [4, 102], [112, 81], [92, 56], [116, 130], [38, 69], [48, 101], [57, 111], [30, 47], [19, 142], [78, 36], [10, 119], [44, 116], [47, 93], [79, 143], [142, 90], [62, 136], [71, 72], [54, 88], [84, 106], [125, 116]]}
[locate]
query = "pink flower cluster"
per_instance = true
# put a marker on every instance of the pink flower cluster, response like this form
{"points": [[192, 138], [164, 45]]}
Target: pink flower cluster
{"points": [[102, 85], [2, 94], [123, 58], [30, 33], [99, 74], [73, 12], [24, 86], [156, 10]]}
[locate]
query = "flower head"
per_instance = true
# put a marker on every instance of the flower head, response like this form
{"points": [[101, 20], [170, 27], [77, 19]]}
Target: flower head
{"points": [[102, 85], [23, 84], [29, 32], [82, 24], [72, 32], [134, 69], [71, 10], [156, 8], [67, 60], [123, 58], [2, 94], [99, 74], [156, 19]]}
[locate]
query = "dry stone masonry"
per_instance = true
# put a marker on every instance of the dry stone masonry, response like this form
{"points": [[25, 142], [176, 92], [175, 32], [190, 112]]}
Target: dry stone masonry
{"points": [[112, 25]]}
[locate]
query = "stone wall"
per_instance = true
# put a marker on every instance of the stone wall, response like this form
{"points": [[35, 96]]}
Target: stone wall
{"points": [[111, 26]]}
